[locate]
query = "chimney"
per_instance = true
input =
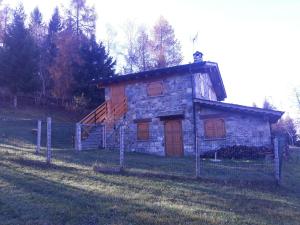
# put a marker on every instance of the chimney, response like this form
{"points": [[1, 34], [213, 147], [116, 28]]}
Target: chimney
{"points": [[198, 57]]}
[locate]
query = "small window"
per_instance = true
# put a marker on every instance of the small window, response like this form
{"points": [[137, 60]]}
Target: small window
{"points": [[214, 128], [143, 131], [155, 88]]}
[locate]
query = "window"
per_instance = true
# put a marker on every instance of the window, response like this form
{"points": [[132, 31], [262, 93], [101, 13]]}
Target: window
{"points": [[143, 131], [214, 128], [155, 88]]}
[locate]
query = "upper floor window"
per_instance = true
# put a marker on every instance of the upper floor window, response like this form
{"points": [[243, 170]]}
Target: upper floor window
{"points": [[214, 128], [155, 88]]}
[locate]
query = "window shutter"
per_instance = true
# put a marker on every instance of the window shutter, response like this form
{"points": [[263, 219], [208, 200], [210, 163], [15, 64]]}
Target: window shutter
{"points": [[155, 88], [143, 131], [209, 129], [214, 128], [220, 128]]}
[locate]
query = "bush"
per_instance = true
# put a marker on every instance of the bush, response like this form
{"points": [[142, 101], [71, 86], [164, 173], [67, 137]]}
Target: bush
{"points": [[240, 152]]}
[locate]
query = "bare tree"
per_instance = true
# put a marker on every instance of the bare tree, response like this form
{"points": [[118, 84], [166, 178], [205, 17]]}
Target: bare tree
{"points": [[144, 60], [110, 38], [130, 50]]}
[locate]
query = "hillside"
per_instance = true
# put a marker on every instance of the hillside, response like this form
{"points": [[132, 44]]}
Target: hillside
{"points": [[35, 112]]}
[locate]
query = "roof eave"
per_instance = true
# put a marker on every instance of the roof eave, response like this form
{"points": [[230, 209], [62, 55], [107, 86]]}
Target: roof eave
{"points": [[273, 115]]}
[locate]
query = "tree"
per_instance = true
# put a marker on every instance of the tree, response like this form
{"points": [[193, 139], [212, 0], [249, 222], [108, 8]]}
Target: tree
{"points": [[95, 64], [50, 50], [268, 105], [143, 50], [62, 68], [18, 69], [166, 48], [130, 52], [82, 18], [36, 26], [286, 127], [38, 32], [5, 15]]}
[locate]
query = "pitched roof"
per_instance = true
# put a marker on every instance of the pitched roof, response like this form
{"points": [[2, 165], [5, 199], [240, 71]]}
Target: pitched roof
{"points": [[273, 115], [206, 67]]}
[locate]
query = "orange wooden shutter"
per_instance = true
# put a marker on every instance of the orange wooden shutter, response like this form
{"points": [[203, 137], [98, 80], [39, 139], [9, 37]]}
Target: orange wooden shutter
{"points": [[143, 131], [220, 128], [214, 128], [155, 88], [209, 129]]}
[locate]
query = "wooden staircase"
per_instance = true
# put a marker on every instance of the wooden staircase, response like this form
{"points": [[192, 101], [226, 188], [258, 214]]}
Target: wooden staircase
{"points": [[106, 113]]}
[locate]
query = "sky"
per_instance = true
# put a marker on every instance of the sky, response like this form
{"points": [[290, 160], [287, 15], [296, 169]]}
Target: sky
{"points": [[256, 43]]}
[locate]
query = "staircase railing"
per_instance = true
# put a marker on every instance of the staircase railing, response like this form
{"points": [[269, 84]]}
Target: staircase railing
{"points": [[103, 113], [98, 115]]}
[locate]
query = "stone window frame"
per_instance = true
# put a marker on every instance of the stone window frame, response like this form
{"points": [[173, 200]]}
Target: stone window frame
{"points": [[216, 137], [162, 91]]}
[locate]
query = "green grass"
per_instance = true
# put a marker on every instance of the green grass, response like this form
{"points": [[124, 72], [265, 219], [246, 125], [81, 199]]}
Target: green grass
{"points": [[69, 192]]}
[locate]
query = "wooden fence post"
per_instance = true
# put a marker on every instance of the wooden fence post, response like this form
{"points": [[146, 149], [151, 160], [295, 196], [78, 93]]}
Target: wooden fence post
{"points": [[276, 160], [197, 158], [78, 145], [48, 140], [38, 140], [121, 148], [104, 136]]}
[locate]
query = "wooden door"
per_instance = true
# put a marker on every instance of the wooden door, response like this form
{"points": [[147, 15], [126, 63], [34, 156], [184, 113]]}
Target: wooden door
{"points": [[117, 94], [173, 138]]}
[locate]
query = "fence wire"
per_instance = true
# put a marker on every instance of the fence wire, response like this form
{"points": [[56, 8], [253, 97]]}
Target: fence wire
{"points": [[224, 159]]}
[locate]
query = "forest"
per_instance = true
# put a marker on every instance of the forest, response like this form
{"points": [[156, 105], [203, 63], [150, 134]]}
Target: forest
{"points": [[63, 58]]}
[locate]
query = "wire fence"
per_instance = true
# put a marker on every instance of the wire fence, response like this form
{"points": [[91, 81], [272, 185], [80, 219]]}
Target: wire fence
{"points": [[117, 149], [222, 159]]}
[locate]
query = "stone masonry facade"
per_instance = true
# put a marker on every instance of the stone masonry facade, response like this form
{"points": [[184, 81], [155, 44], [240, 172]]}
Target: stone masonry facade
{"points": [[241, 130], [177, 98]]}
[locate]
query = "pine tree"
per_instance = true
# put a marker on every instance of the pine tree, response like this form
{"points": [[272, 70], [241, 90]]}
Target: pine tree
{"points": [[50, 50], [95, 64], [36, 26], [37, 30], [19, 58]]}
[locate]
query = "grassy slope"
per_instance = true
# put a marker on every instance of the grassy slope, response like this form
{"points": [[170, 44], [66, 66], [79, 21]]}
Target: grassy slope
{"points": [[39, 113], [69, 192]]}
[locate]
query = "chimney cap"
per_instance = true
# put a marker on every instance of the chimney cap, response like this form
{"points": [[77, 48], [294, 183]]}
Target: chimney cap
{"points": [[198, 56]]}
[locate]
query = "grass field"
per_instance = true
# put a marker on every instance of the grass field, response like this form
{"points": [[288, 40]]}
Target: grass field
{"points": [[70, 192]]}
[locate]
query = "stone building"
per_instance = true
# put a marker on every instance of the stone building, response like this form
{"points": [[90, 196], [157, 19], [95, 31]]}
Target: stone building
{"points": [[169, 111]]}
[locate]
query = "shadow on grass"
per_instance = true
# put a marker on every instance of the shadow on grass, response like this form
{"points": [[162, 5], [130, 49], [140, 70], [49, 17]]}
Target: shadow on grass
{"points": [[41, 165], [39, 200]]}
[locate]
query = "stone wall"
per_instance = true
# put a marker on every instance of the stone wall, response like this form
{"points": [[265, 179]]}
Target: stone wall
{"points": [[241, 129], [176, 99]]}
